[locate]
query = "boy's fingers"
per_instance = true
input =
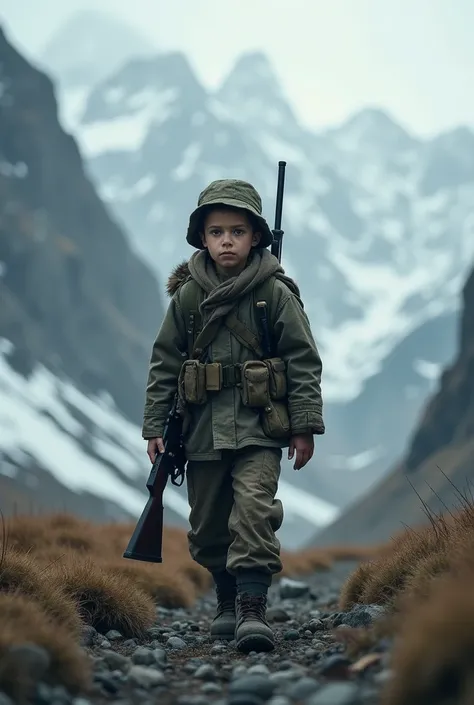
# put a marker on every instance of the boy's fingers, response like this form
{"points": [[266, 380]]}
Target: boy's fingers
{"points": [[160, 445]]}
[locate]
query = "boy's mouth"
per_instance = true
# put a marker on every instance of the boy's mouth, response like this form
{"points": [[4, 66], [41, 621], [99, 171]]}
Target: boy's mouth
{"points": [[227, 254]]}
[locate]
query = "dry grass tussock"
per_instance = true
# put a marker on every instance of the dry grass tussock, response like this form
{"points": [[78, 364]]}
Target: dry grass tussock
{"points": [[59, 572], [426, 581]]}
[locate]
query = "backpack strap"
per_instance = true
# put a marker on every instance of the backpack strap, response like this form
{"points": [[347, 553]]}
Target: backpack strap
{"points": [[191, 296]]}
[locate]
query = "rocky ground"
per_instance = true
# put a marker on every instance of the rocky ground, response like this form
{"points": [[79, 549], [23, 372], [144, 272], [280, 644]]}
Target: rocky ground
{"points": [[178, 664]]}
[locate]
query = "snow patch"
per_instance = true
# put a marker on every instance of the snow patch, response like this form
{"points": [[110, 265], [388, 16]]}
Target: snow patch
{"points": [[114, 95], [185, 169], [17, 171], [35, 419], [303, 504], [428, 370], [128, 132], [359, 461]]}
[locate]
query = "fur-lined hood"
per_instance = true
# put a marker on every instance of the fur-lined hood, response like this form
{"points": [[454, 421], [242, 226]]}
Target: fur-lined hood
{"points": [[177, 277]]}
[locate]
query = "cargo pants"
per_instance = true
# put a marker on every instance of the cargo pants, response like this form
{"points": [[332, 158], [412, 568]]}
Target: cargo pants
{"points": [[234, 514]]}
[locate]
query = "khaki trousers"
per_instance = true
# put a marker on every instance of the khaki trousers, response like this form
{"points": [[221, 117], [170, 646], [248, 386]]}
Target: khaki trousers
{"points": [[234, 513]]}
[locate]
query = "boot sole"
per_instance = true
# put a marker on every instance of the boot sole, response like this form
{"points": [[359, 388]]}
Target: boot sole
{"points": [[225, 636], [255, 643]]}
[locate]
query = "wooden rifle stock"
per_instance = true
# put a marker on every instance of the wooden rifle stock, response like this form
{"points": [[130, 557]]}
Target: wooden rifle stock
{"points": [[147, 539]]}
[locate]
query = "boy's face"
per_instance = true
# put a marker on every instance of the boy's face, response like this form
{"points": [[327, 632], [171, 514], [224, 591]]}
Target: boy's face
{"points": [[228, 236]]}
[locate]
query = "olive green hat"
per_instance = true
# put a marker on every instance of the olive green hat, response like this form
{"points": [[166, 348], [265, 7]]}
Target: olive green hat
{"points": [[229, 192]]}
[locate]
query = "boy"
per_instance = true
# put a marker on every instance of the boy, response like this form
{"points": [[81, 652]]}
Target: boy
{"points": [[233, 449]]}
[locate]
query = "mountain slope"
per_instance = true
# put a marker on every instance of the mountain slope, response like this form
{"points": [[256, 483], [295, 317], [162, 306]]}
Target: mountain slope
{"points": [[377, 231], [438, 463], [75, 314]]}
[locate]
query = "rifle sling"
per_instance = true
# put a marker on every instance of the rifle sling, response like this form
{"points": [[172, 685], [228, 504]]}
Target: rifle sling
{"points": [[243, 334]]}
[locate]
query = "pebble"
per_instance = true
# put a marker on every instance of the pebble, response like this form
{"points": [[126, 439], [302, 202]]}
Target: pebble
{"points": [[291, 635], [175, 642], [206, 672], [292, 589], [335, 694], [113, 635], [303, 688], [254, 685], [178, 663], [146, 677], [143, 656]]}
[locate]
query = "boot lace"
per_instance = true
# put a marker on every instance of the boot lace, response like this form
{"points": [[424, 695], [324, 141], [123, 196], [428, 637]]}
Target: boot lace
{"points": [[252, 606]]}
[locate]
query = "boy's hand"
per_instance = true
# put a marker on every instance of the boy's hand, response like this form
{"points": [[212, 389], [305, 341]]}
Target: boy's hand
{"points": [[155, 446], [303, 444]]}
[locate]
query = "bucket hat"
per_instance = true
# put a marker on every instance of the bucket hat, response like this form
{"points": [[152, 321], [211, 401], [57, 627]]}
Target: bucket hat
{"points": [[229, 192]]}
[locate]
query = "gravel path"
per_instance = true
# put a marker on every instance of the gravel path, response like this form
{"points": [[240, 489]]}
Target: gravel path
{"points": [[177, 664]]}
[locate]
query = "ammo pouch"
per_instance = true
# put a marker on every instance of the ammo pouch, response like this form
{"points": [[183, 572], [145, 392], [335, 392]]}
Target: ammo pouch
{"points": [[275, 420], [255, 384], [277, 378], [196, 379], [192, 382], [263, 380]]}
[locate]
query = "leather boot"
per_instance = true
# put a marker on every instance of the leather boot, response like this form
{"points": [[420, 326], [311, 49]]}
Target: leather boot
{"points": [[253, 633], [223, 624]]}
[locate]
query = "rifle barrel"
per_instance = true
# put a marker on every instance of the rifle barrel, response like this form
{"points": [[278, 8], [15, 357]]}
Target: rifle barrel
{"points": [[279, 198]]}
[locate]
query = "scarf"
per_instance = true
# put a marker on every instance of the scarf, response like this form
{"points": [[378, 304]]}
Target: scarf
{"points": [[223, 296]]}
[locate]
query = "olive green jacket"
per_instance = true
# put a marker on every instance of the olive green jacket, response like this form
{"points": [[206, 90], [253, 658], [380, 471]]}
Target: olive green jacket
{"points": [[224, 422]]}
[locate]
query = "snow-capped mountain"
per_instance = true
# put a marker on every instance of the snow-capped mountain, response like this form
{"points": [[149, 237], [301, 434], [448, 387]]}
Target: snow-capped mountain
{"points": [[91, 44], [378, 227], [78, 314]]}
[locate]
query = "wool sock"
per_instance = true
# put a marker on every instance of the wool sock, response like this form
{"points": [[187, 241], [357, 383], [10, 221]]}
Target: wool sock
{"points": [[253, 582], [224, 581]]}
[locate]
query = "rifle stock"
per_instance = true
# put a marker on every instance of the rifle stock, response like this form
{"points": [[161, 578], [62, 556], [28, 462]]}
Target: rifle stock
{"points": [[147, 539]]}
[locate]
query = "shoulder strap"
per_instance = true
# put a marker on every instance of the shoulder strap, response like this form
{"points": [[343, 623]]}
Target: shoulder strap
{"points": [[191, 296]]}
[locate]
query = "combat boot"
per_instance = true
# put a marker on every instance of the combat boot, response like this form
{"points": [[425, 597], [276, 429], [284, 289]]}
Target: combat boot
{"points": [[253, 633], [223, 624]]}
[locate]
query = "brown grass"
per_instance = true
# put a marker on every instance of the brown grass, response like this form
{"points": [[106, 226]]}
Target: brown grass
{"points": [[22, 620], [21, 574], [425, 577], [434, 652], [59, 572], [105, 599]]}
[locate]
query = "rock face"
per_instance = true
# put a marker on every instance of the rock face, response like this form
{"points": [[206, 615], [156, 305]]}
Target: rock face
{"points": [[74, 296], [78, 313], [438, 463]]}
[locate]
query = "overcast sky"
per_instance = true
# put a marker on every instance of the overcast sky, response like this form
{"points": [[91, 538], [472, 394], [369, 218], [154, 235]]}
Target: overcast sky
{"points": [[412, 57]]}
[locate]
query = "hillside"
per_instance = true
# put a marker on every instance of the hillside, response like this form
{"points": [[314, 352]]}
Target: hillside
{"points": [[75, 313], [438, 463]]}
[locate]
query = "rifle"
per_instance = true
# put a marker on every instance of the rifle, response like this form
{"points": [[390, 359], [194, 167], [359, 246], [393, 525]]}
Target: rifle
{"points": [[276, 251], [277, 231], [147, 538]]}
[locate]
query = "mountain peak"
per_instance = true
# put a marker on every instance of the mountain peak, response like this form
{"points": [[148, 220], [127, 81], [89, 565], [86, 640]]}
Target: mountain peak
{"points": [[252, 92], [372, 128], [251, 70], [90, 45]]}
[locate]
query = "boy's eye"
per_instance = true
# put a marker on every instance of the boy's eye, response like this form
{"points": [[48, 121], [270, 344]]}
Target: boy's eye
{"points": [[238, 231]]}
